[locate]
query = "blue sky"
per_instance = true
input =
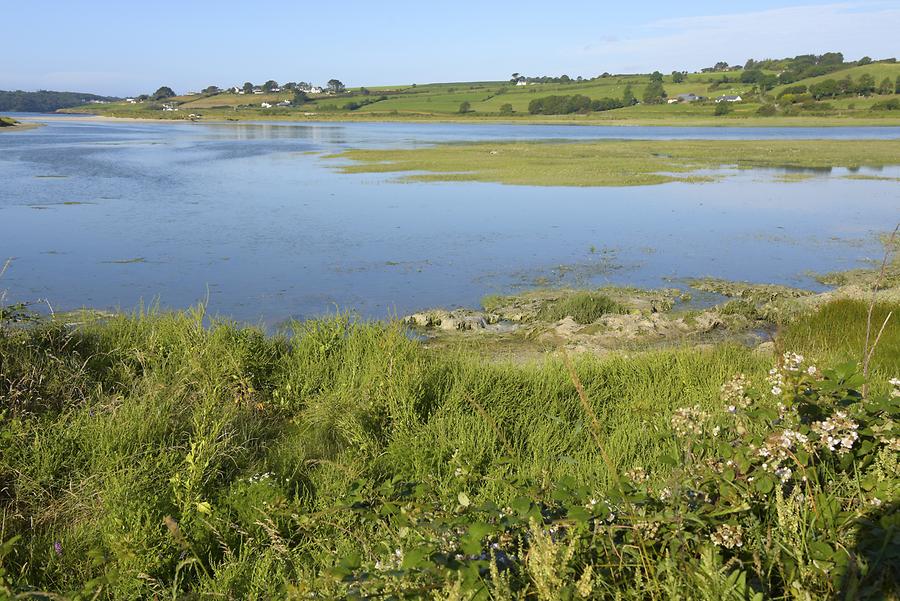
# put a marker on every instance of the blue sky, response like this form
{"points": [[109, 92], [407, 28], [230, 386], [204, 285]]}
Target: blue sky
{"points": [[128, 47]]}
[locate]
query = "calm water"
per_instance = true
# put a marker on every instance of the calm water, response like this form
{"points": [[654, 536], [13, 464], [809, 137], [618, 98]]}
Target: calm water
{"points": [[112, 215]]}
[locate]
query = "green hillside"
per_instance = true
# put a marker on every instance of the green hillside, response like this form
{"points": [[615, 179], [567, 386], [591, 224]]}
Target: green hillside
{"points": [[864, 98]]}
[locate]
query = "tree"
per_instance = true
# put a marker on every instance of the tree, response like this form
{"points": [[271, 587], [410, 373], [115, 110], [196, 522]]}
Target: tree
{"points": [[506, 109], [465, 106], [722, 108], [211, 90], [248, 87], [163, 93], [336, 86], [677, 77], [886, 87], [656, 76], [654, 93], [628, 98], [290, 86], [300, 97], [364, 91], [514, 78], [270, 85], [866, 84], [866, 60]]}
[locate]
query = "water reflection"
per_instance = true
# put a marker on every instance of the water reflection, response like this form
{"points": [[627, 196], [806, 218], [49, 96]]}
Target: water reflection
{"points": [[107, 215]]}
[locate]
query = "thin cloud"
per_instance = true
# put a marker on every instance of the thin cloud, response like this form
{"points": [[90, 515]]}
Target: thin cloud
{"points": [[693, 42]]}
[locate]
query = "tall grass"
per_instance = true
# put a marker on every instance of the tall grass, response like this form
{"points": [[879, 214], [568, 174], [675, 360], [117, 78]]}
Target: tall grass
{"points": [[147, 456]]}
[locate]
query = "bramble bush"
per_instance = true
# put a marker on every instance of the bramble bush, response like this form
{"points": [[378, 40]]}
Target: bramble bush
{"points": [[786, 493]]}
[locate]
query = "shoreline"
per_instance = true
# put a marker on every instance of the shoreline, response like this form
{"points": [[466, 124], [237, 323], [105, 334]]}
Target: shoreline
{"points": [[785, 123]]}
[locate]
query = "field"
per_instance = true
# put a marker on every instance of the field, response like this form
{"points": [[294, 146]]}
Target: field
{"points": [[442, 102], [614, 162], [161, 455]]}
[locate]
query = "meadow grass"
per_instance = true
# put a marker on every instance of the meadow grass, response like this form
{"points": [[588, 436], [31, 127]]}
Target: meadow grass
{"points": [[613, 162], [146, 456]]}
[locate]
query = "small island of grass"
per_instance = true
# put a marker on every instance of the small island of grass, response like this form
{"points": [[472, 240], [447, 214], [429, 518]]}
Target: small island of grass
{"points": [[614, 162]]}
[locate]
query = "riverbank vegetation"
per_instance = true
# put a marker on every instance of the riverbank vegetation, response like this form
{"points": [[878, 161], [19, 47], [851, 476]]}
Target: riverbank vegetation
{"points": [[614, 162], [169, 455]]}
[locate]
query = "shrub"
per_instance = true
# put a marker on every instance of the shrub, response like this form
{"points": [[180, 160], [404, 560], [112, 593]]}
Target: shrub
{"points": [[766, 110], [722, 108], [506, 109]]}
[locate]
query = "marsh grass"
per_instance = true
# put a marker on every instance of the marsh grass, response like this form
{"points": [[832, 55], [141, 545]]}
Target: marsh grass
{"points": [[150, 456], [584, 307], [612, 162]]}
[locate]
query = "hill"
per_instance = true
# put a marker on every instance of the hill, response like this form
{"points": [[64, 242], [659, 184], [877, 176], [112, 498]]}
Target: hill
{"points": [[803, 90], [46, 101]]}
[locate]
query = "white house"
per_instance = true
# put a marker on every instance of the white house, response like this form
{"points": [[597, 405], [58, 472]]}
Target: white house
{"points": [[729, 98], [521, 82], [131, 101], [316, 90], [266, 105]]}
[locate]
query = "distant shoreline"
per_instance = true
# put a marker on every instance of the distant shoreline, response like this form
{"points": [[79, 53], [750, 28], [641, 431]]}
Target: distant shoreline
{"points": [[781, 122]]}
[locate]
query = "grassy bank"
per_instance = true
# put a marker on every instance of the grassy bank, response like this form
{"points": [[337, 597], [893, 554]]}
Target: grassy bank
{"points": [[148, 456], [615, 162]]}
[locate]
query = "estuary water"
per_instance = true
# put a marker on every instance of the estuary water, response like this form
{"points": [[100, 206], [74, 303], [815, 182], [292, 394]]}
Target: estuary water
{"points": [[255, 218]]}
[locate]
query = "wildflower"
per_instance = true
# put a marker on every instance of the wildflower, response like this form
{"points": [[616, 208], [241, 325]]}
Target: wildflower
{"points": [[728, 536], [895, 383], [837, 433], [637, 475], [57, 547], [776, 390], [792, 361], [688, 420], [734, 392], [784, 473], [811, 370], [665, 494], [647, 530]]}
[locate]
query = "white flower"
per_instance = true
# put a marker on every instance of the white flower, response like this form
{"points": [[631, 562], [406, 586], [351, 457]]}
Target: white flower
{"points": [[776, 390], [811, 370]]}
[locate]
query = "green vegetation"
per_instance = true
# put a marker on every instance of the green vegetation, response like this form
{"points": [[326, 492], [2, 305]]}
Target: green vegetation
{"points": [[545, 99], [584, 307], [613, 162], [149, 456], [45, 101], [7, 122]]}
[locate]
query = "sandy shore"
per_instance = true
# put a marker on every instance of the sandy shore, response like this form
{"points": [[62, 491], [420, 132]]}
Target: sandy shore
{"points": [[21, 127]]}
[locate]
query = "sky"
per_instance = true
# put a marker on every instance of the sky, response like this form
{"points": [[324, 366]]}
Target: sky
{"points": [[127, 48]]}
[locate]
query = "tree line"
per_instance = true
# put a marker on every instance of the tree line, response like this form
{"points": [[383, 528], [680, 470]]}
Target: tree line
{"points": [[45, 101], [835, 88]]}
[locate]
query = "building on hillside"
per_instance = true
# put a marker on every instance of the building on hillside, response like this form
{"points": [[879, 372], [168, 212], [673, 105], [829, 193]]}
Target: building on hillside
{"points": [[521, 82], [729, 98], [284, 103], [258, 91], [266, 105], [169, 106], [689, 98], [131, 101]]}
